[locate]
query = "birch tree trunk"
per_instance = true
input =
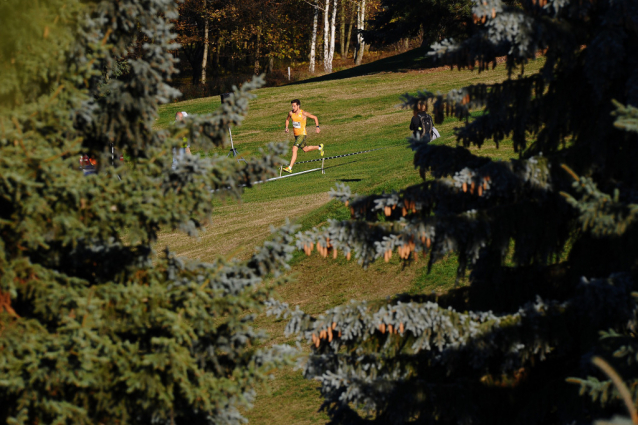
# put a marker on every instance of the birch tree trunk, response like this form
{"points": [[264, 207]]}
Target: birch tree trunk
{"points": [[313, 41], [205, 57], [360, 25], [331, 51], [326, 35], [342, 31], [356, 45]]}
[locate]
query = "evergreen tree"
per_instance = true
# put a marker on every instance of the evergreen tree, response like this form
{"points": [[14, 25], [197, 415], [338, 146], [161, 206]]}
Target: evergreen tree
{"points": [[549, 239], [97, 323]]}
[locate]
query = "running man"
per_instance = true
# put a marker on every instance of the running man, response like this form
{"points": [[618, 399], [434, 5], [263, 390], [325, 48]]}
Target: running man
{"points": [[298, 117]]}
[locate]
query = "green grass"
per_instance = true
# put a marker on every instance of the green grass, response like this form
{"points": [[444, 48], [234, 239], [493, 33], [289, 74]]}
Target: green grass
{"points": [[357, 109], [440, 279]]}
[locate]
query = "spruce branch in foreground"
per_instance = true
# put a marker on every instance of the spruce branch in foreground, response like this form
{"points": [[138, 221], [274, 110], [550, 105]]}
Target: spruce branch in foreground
{"points": [[552, 262]]}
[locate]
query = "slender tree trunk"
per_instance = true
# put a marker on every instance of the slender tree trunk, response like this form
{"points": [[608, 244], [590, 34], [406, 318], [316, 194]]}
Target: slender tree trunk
{"points": [[326, 35], [349, 35], [342, 31], [361, 43], [355, 53], [406, 44], [217, 50], [193, 53], [205, 58], [258, 52], [271, 63], [331, 51], [313, 41]]}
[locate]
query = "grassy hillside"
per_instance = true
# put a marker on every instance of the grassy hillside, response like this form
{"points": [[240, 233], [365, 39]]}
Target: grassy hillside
{"points": [[356, 112]]}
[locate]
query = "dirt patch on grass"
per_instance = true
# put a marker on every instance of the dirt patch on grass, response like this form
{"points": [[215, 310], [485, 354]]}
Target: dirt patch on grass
{"points": [[238, 228]]}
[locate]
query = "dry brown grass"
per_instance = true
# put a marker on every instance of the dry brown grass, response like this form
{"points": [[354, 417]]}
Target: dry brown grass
{"points": [[239, 227]]}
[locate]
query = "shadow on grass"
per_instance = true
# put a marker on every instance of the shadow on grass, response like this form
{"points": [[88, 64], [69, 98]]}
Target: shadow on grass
{"points": [[412, 59]]}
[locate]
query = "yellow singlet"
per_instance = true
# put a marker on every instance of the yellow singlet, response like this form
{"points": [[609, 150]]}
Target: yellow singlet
{"points": [[298, 123]]}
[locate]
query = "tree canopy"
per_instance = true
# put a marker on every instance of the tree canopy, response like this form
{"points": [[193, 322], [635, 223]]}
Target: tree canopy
{"points": [[434, 20]]}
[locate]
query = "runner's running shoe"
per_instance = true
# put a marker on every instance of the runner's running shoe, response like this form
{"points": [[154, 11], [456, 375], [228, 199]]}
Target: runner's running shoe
{"points": [[288, 169], [321, 149]]}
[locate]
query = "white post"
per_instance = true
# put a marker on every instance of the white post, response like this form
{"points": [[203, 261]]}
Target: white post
{"points": [[288, 73]]}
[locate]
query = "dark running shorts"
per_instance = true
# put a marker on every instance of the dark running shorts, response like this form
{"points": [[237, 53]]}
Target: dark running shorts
{"points": [[300, 141]]}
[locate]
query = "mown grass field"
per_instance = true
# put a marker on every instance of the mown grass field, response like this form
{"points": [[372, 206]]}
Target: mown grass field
{"points": [[356, 112]]}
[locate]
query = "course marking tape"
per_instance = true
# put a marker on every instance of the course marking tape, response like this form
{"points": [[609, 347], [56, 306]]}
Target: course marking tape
{"points": [[314, 169], [331, 157], [340, 156]]}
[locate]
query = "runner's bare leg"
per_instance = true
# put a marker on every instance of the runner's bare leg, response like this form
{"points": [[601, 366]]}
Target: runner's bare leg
{"points": [[294, 156], [294, 153]]}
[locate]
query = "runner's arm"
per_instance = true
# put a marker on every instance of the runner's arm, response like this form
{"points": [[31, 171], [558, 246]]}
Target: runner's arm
{"points": [[287, 121], [307, 115]]}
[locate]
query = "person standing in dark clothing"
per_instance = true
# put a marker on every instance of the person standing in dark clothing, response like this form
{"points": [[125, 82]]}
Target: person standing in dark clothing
{"points": [[421, 122]]}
